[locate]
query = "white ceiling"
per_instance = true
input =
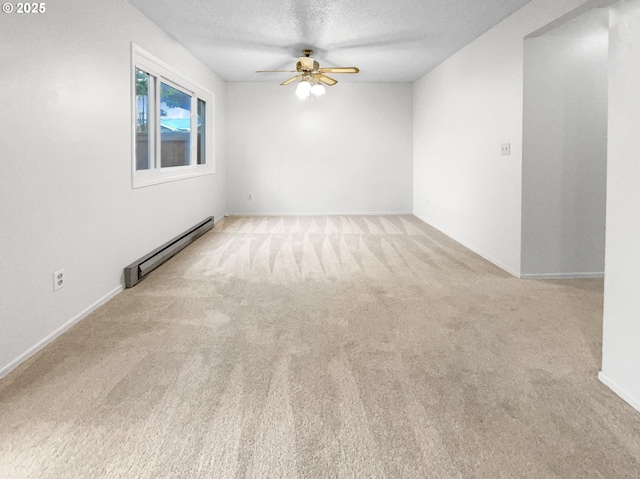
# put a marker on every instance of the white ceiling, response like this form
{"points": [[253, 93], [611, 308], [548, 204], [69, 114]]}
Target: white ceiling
{"points": [[389, 40]]}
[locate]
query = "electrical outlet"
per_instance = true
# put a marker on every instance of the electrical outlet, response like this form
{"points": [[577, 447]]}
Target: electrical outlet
{"points": [[505, 149], [250, 196], [58, 279]]}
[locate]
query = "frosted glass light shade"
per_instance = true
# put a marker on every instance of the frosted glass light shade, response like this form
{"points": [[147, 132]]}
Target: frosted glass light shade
{"points": [[303, 89], [318, 90]]}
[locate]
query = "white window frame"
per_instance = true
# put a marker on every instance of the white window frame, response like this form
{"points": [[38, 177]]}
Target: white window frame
{"points": [[143, 60]]}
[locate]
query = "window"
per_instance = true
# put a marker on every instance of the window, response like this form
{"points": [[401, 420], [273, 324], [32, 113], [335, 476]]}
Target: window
{"points": [[173, 128]]}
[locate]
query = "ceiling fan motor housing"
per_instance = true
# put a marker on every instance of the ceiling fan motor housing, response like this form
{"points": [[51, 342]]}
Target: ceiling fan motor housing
{"points": [[306, 64]]}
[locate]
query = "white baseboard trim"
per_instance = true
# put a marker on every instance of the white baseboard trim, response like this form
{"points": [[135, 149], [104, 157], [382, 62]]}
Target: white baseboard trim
{"points": [[562, 275], [633, 401], [475, 250], [381, 213], [47, 339]]}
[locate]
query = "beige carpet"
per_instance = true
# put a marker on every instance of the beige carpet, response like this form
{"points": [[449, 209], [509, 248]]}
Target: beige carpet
{"points": [[312, 347]]}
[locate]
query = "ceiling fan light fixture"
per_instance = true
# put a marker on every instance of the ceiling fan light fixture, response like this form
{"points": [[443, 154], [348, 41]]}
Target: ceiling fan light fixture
{"points": [[303, 89], [311, 76]]}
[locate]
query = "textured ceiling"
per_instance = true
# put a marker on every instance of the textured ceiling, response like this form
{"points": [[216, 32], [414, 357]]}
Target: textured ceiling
{"points": [[390, 41]]}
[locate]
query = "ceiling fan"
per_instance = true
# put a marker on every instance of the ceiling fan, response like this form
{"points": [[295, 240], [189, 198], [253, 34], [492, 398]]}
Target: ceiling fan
{"points": [[311, 75]]}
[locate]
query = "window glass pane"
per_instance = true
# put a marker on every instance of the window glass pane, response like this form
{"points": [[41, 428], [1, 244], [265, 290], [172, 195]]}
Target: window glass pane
{"points": [[175, 127], [142, 121], [202, 128]]}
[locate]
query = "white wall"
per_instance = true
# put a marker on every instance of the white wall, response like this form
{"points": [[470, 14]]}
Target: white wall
{"points": [[621, 335], [565, 149], [65, 186], [350, 151], [463, 111]]}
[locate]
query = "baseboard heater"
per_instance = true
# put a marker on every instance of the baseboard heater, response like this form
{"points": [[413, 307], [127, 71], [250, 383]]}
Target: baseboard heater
{"points": [[136, 271]]}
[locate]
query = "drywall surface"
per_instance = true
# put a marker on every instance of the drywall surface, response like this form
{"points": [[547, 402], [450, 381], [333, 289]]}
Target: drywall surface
{"points": [[621, 334], [350, 151], [65, 189], [564, 160], [463, 111]]}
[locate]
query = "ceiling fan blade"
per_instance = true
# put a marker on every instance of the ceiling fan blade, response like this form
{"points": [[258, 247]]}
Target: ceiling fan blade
{"points": [[339, 70], [325, 79], [290, 80], [276, 71]]}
